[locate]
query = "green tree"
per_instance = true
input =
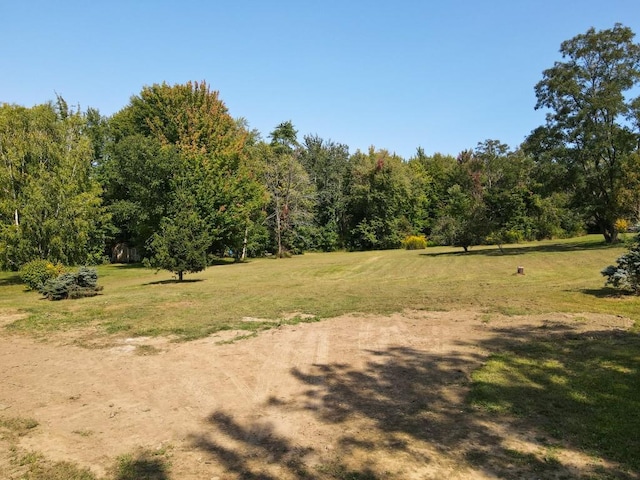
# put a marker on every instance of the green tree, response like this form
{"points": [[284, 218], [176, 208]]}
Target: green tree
{"points": [[327, 164], [291, 193], [181, 243], [462, 221], [421, 196], [378, 198], [50, 204], [138, 185], [587, 129], [185, 136], [626, 273]]}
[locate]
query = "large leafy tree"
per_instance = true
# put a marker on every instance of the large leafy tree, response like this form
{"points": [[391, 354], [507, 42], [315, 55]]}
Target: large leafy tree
{"points": [[379, 196], [327, 164], [50, 204], [291, 193], [588, 129], [462, 217], [181, 135]]}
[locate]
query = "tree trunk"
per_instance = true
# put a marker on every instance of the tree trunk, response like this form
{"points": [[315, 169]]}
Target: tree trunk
{"points": [[279, 233], [609, 232], [244, 244], [180, 276]]}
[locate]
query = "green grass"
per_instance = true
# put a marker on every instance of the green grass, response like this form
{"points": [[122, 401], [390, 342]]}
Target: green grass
{"points": [[560, 276], [146, 464], [17, 425], [582, 390]]}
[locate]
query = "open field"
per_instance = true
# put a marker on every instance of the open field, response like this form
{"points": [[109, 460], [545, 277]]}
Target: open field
{"points": [[425, 364], [560, 276]]}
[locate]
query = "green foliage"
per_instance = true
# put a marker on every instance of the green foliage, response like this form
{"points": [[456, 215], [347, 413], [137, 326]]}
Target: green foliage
{"points": [[626, 274], [327, 164], [378, 198], [414, 242], [181, 138], [291, 193], [18, 425], [588, 134], [36, 273], [72, 285], [462, 221], [181, 244], [145, 465], [50, 206], [580, 389]]}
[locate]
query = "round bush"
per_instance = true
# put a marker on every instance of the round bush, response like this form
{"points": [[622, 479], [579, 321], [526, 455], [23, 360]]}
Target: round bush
{"points": [[415, 242], [36, 273]]}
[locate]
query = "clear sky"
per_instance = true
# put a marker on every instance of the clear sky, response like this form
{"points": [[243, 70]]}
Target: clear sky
{"points": [[443, 75]]}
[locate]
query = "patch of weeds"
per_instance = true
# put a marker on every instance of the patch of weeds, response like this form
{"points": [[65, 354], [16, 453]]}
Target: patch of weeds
{"points": [[34, 466], [18, 425], [520, 458], [299, 319], [485, 318], [147, 350], [341, 472], [477, 457], [116, 327], [512, 311], [83, 433], [236, 338], [147, 465], [550, 456]]}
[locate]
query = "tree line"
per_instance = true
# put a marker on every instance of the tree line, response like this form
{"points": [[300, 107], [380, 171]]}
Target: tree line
{"points": [[176, 176]]}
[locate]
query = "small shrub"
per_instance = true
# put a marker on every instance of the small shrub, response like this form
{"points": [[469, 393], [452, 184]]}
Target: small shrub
{"points": [[626, 274], [621, 225], [36, 273], [415, 242], [72, 285]]}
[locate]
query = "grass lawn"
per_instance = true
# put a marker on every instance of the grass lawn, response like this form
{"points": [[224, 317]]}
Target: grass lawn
{"points": [[580, 390], [560, 276]]}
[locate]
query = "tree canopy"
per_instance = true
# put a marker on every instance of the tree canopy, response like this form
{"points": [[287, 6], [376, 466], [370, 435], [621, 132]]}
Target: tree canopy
{"points": [[590, 125], [176, 176]]}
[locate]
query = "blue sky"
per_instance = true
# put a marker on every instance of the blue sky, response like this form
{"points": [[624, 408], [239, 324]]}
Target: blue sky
{"points": [[442, 75]]}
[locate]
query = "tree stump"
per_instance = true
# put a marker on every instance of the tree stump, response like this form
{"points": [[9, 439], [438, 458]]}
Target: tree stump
{"points": [[520, 271]]}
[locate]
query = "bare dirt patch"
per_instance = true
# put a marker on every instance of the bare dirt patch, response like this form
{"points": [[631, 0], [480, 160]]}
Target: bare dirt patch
{"points": [[368, 396]]}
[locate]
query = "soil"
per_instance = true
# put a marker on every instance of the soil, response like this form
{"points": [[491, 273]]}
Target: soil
{"points": [[361, 397]]}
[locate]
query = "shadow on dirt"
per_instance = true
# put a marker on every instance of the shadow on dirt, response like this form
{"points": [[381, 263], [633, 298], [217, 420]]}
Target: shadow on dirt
{"points": [[544, 390]]}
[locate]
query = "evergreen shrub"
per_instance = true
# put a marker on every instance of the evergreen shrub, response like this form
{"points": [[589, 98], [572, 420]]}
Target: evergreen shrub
{"points": [[72, 285], [626, 274]]}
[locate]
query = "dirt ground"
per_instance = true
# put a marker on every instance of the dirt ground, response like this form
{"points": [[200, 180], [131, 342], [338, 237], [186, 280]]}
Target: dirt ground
{"points": [[360, 397]]}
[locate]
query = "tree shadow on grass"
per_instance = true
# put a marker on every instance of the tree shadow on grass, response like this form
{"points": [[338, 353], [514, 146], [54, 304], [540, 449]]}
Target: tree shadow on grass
{"points": [[144, 466], [515, 249], [174, 280], [11, 280], [130, 266], [544, 390], [606, 292]]}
